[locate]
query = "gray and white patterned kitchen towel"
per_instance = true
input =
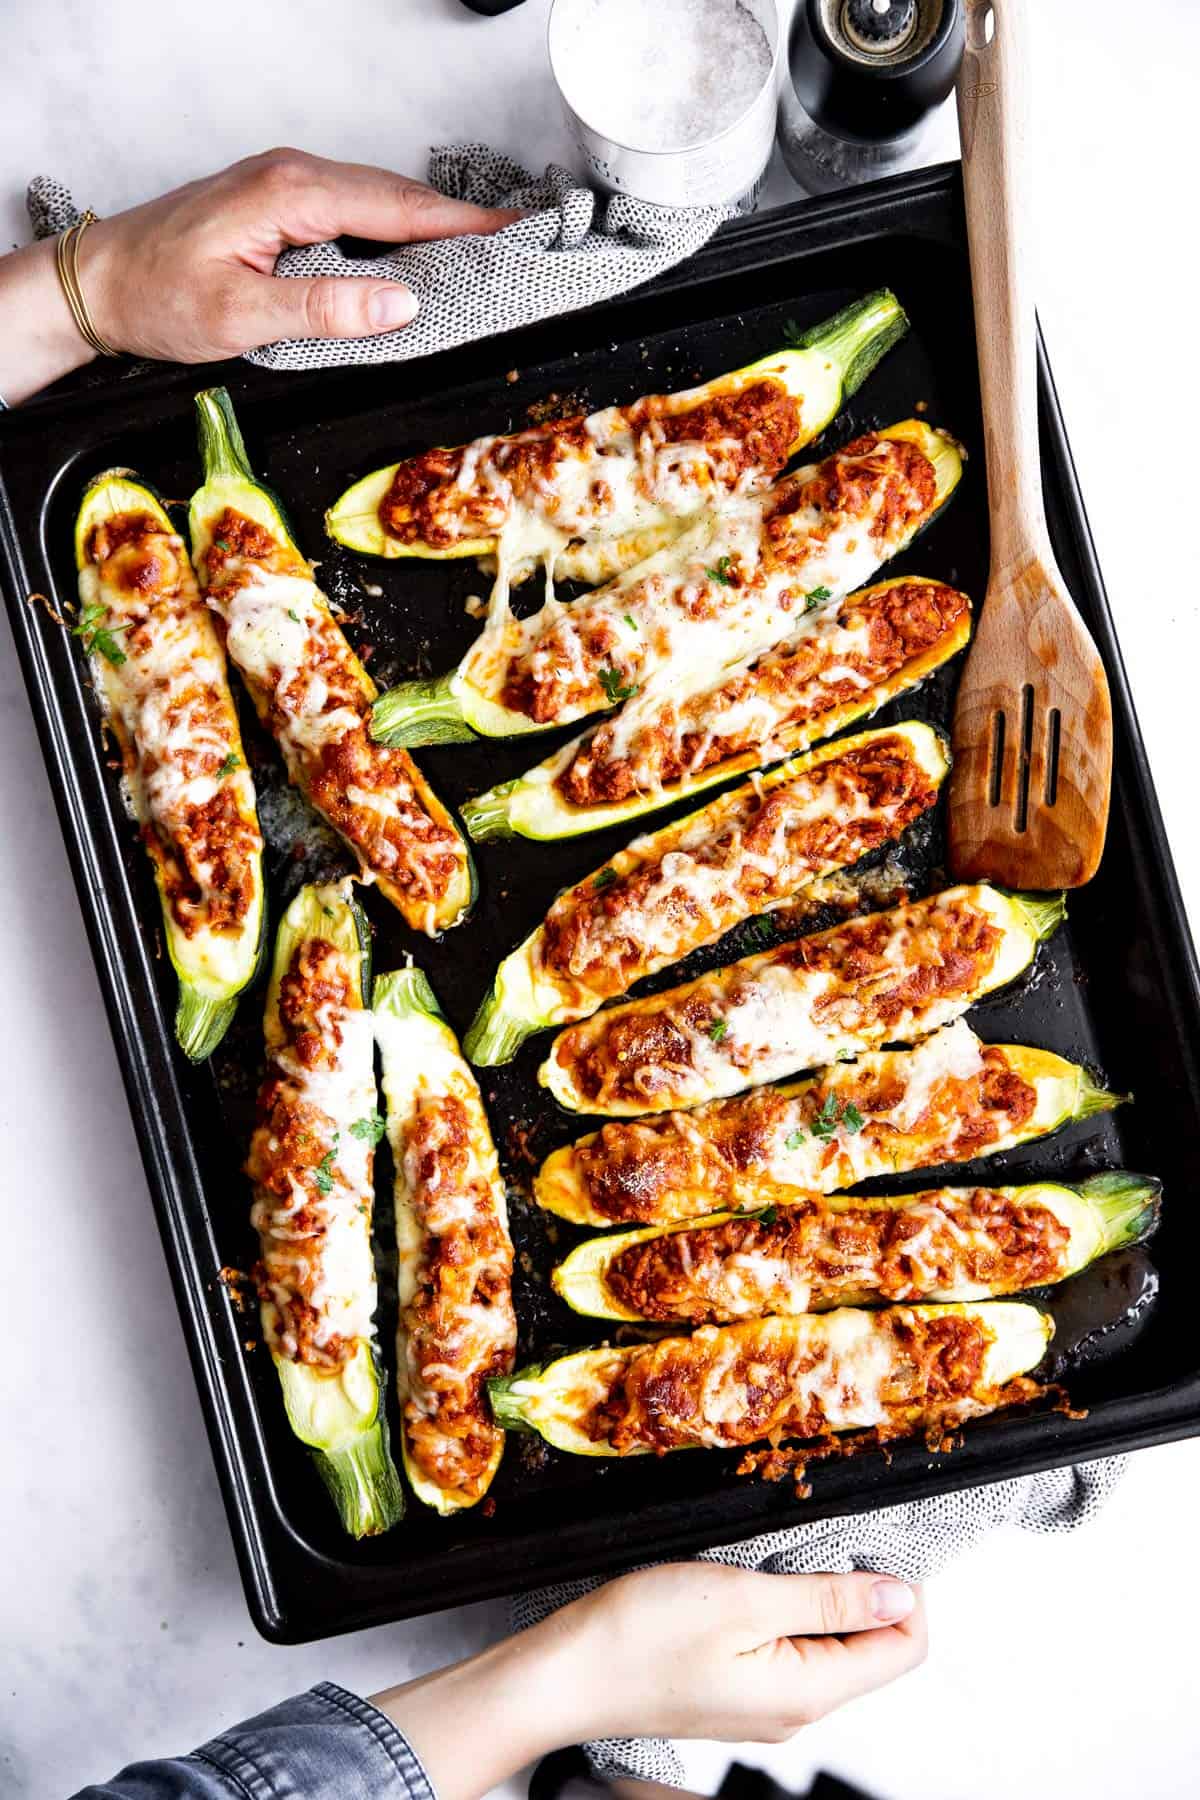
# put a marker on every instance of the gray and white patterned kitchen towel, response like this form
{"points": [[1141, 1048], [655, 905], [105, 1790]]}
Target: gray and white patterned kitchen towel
{"points": [[573, 248], [914, 1542]]}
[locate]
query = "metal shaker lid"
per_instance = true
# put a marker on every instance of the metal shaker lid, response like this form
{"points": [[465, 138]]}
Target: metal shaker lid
{"points": [[871, 69]]}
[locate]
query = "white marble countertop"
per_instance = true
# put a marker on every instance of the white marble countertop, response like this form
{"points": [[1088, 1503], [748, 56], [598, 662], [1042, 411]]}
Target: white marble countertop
{"points": [[124, 1630]]}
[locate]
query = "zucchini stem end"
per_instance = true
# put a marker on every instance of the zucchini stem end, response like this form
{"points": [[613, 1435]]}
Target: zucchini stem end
{"points": [[1127, 1206], [420, 712], [858, 337]]}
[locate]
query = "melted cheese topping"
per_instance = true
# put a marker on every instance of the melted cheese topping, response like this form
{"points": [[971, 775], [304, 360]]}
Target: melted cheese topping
{"points": [[728, 588], [185, 777], [842, 662], [948, 1099], [311, 690], [621, 472], [746, 853], [891, 976], [312, 1172], [734, 1385], [944, 1244], [457, 1326]]}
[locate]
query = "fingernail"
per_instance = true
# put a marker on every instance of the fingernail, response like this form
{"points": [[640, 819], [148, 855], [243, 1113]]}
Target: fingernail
{"points": [[892, 1600], [391, 307]]}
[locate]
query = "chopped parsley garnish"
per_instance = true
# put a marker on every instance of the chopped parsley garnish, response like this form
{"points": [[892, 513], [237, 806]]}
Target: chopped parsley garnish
{"points": [[816, 597], [293, 615], [604, 877], [766, 1215], [222, 544], [327, 910], [717, 1029], [631, 621], [232, 761], [323, 1179], [758, 931], [369, 1130], [833, 1114], [610, 681], [793, 1140], [720, 571], [825, 1123], [91, 628]]}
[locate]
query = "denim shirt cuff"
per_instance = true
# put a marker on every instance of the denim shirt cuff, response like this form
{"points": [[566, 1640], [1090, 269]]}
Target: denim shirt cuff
{"points": [[323, 1743]]}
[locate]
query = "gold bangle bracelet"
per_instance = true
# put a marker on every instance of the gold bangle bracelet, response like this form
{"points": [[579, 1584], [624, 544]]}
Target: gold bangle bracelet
{"points": [[67, 263]]}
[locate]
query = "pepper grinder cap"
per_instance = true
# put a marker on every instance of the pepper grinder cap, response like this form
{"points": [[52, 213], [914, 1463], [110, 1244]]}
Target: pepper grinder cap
{"points": [[870, 70]]}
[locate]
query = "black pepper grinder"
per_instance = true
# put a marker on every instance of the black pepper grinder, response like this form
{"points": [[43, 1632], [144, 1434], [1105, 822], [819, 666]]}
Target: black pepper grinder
{"points": [[863, 78]]}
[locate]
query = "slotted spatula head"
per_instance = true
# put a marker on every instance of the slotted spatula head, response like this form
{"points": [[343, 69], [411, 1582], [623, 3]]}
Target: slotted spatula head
{"points": [[1032, 739], [1032, 736]]}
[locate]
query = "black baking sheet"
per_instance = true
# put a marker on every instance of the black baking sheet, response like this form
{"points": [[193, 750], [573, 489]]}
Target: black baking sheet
{"points": [[1117, 988]]}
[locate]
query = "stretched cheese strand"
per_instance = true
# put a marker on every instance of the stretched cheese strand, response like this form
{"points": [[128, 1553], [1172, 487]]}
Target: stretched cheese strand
{"points": [[620, 482], [729, 587]]}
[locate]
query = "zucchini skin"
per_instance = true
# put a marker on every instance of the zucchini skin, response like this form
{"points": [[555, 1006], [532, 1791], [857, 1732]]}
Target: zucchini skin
{"points": [[756, 1150], [527, 996], [821, 369], [207, 1000], [770, 994], [644, 617], [557, 1399], [1098, 1216], [333, 1398], [230, 485], [448, 1261], [534, 806]]}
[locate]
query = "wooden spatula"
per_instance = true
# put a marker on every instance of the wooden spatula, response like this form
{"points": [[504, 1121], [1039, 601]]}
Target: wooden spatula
{"points": [[1032, 736]]}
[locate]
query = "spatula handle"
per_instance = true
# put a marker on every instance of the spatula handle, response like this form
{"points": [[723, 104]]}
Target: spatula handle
{"points": [[994, 124]]}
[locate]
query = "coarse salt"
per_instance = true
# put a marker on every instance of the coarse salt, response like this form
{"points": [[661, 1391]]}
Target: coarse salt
{"points": [[662, 74]]}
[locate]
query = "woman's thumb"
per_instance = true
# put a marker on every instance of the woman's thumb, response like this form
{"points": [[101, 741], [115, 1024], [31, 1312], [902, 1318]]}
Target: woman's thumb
{"points": [[326, 306]]}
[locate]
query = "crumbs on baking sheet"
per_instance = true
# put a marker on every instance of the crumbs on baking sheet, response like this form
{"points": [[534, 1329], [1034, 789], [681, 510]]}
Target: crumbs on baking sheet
{"points": [[236, 1282], [941, 1430], [556, 406]]}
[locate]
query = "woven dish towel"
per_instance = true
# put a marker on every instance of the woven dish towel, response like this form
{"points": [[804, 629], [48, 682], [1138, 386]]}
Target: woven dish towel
{"points": [[913, 1541], [573, 248]]}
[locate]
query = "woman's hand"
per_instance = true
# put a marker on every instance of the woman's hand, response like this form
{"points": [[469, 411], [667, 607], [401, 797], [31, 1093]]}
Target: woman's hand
{"points": [[687, 1650], [188, 277], [705, 1650]]}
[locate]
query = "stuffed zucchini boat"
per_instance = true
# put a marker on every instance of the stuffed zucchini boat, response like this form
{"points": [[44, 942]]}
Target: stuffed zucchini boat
{"points": [[949, 1099], [600, 493], [159, 673], [813, 1252], [744, 854], [856, 657], [732, 585], [457, 1326], [311, 1162], [890, 977], [310, 689], [727, 1386]]}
